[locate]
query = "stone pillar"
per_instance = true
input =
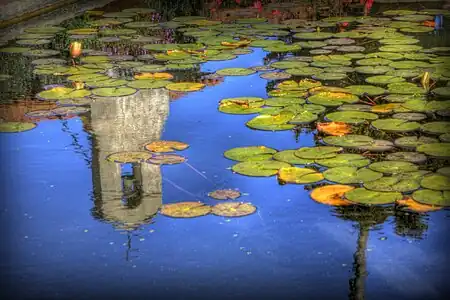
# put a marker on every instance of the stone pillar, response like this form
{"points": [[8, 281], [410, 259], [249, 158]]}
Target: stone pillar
{"points": [[126, 124]]}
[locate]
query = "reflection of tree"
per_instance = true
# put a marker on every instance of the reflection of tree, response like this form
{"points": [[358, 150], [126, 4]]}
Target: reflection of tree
{"points": [[125, 124], [410, 224]]}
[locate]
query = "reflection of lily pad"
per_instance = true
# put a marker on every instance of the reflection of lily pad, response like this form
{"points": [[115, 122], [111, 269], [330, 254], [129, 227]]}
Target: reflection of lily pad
{"points": [[252, 153], [225, 194], [395, 125], [349, 140], [259, 168], [166, 159], [113, 91], [351, 117], [13, 127], [366, 197], [392, 184], [350, 175], [128, 157], [165, 146], [332, 194], [298, 175], [233, 209], [288, 156], [436, 182], [185, 209], [344, 160], [431, 197], [393, 167]]}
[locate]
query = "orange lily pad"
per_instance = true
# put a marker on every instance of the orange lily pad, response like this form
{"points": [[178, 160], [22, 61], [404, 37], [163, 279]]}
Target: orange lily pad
{"points": [[225, 194], [189, 209], [409, 204], [155, 76], [332, 194], [233, 209], [334, 128], [165, 146]]}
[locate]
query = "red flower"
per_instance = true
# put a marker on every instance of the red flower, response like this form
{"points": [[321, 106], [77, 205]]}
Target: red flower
{"points": [[276, 12]]}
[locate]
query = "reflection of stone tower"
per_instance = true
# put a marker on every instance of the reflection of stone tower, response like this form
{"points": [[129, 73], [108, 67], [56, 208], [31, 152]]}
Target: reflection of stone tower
{"points": [[126, 124]]}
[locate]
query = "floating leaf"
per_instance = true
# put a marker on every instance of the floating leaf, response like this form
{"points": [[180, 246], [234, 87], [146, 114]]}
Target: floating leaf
{"points": [[332, 99], [59, 93], [349, 140], [299, 175], [410, 116], [185, 209], [275, 75], [441, 150], [365, 90], [430, 197], [14, 127], [366, 197], [351, 117], [332, 194], [148, 84], [393, 167], [259, 168], [165, 146], [411, 142], [373, 70], [185, 86], [235, 72], [412, 157], [225, 194], [405, 88], [114, 91], [395, 125], [349, 175], [288, 156], [384, 79], [233, 209], [241, 105], [272, 122], [436, 182], [320, 152], [252, 153], [166, 159], [392, 184], [334, 128], [129, 157], [436, 127], [411, 205], [344, 160]]}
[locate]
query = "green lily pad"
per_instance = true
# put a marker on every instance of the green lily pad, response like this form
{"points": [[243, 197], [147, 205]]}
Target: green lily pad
{"points": [[442, 91], [332, 99], [311, 44], [436, 182], [385, 55], [330, 76], [312, 36], [148, 84], [352, 48], [272, 122], [355, 107], [283, 101], [365, 90], [430, 197], [445, 137], [393, 167], [405, 88], [283, 48], [265, 43], [344, 160], [44, 29], [13, 50], [275, 75], [289, 64], [304, 117], [351, 117], [288, 156], [48, 61], [312, 108], [185, 86], [424, 106], [320, 152], [373, 70], [384, 79], [351, 175], [412, 157], [412, 142], [436, 127], [392, 184], [286, 93], [366, 197], [444, 171], [59, 93], [241, 105], [41, 53], [87, 77], [305, 71], [235, 72], [377, 146], [395, 125], [409, 64], [400, 48], [114, 91], [348, 141], [298, 175], [15, 127], [405, 73], [252, 153], [259, 168], [439, 150], [416, 29]]}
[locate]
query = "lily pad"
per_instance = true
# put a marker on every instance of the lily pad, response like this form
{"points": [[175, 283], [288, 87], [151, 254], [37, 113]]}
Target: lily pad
{"points": [[15, 127], [166, 159], [351, 117], [436, 182], [365, 90], [367, 197], [283, 48], [283, 101], [299, 175], [334, 128], [332, 194], [436, 127], [393, 167], [344, 160], [392, 184], [320, 152], [374, 62], [241, 105], [148, 84], [272, 122], [185, 209], [113, 91], [350, 175], [351, 49], [59, 93], [395, 125], [430, 197], [185, 86], [289, 64], [373, 70], [400, 48], [41, 53], [288, 156], [384, 79], [275, 75], [439, 150], [126, 157], [332, 99], [252, 153], [445, 137], [311, 44], [165, 146], [412, 157], [442, 91], [444, 171], [330, 76], [259, 168], [233, 209], [304, 117], [412, 142], [377, 146], [349, 140], [312, 36], [235, 72], [225, 194], [410, 116]]}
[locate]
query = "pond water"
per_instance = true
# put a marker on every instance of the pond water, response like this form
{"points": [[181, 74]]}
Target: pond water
{"points": [[76, 225]]}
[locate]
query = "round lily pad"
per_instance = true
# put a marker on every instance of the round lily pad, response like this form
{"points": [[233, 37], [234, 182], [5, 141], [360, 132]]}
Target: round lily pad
{"points": [[44, 29], [148, 84], [410, 205], [384, 79], [351, 117], [392, 184], [165, 146], [409, 64], [439, 127], [128, 157], [412, 142], [49, 61], [313, 35], [233, 209], [259, 168], [340, 41], [13, 50], [332, 99], [351, 49], [334, 128], [350, 175], [400, 48], [332, 194], [349, 140], [225, 194], [444, 171], [320, 152], [241, 105], [185, 86], [393, 167], [166, 159], [330, 76], [252, 153], [311, 44], [299, 175], [272, 122], [113, 91], [440, 150], [304, 117], [365, 90], [59, 93], [185, 209], [106, 83], [442, 91], [373, 62], [377, 146], [283, 48], [366, 197], [436, 182], [289, 64], [373, 70], [288, 156], [430, 197], [283, 101], [41, 53], [275, 75], [413, 157], [395, 125], [305, 71], [410, 116], [344, 160], [15, 127]]}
